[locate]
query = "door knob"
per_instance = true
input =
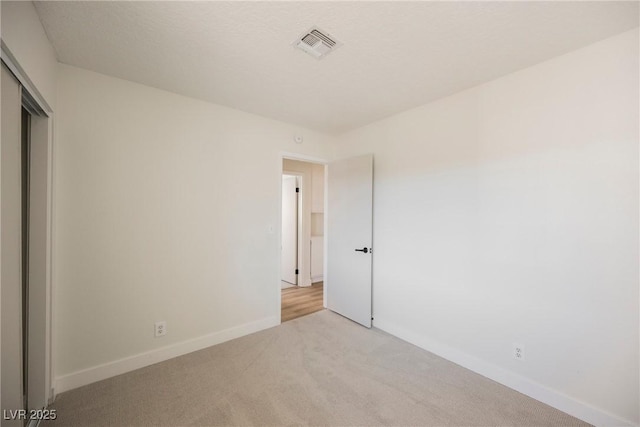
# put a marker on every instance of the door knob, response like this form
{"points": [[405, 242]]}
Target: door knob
{"points": [[365, 250]]}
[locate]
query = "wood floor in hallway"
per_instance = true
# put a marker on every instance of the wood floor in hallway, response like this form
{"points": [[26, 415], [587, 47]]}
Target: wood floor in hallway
{"points": [[299, 301]]}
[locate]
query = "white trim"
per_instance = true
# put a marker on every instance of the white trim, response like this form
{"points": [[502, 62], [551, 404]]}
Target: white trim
{"points": [[325, 227], [638, 317], [50, 262], [316, 278], [302, 158], [13, 65], [131, 363], [512, 380], [51, 258], [278, 240], [300, 176]]}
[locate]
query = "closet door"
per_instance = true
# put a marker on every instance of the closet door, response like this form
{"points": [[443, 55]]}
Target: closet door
{"points": [[11, 246]]}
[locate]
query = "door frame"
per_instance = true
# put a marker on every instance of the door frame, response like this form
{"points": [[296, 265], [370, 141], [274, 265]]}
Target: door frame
{"points": [[41, 253], [284, 155], [299, 220]]}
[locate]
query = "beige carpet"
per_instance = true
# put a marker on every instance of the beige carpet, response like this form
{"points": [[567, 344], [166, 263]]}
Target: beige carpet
{"points": [[321, 369]]}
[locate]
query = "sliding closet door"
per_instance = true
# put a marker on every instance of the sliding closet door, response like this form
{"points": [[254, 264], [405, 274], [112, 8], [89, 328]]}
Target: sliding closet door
{"points": [[38, 344], [11, 246]]}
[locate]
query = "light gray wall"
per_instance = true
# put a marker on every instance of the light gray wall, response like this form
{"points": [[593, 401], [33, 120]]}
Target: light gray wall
{"points": [[163, 211], [508, 213], [24, 35]]}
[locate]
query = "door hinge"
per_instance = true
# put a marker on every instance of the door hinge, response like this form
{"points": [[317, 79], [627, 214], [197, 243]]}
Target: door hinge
{"points": [[297, 272], [297, 189]]}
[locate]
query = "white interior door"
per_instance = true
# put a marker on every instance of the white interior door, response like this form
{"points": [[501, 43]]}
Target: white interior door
{"points": [[289, 229], [349, 238]]}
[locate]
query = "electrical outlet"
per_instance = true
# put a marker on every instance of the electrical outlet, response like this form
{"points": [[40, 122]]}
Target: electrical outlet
{"points": [[518, 351], [161, 329]]}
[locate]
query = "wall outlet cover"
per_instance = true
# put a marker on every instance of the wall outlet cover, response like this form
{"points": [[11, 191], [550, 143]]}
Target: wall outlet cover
{"points": [[518, 351], [160, 329]]}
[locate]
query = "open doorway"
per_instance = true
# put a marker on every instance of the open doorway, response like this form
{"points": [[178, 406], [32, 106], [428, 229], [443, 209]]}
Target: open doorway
{"points": [[302, 271], [336, 244]]}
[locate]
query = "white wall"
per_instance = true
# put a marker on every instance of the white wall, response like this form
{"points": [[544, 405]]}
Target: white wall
{"points": [[317, 190], [162, 213], [508, 213], [24, 35]]}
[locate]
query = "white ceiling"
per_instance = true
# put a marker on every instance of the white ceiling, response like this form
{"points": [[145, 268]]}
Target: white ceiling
{"points": [[396, 55]]}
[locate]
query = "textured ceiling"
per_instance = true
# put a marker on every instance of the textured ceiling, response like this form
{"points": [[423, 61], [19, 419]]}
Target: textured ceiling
{"points": [[396, 55]]}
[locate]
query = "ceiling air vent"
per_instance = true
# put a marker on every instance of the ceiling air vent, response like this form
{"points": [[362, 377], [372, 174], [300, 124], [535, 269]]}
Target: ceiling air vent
{"points": [[316, 42]]}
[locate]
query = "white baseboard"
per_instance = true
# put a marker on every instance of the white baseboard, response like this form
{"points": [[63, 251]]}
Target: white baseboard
{"points": [[519, 383], [131, 363], [286, 285], [304, 283], [316, 279]]}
